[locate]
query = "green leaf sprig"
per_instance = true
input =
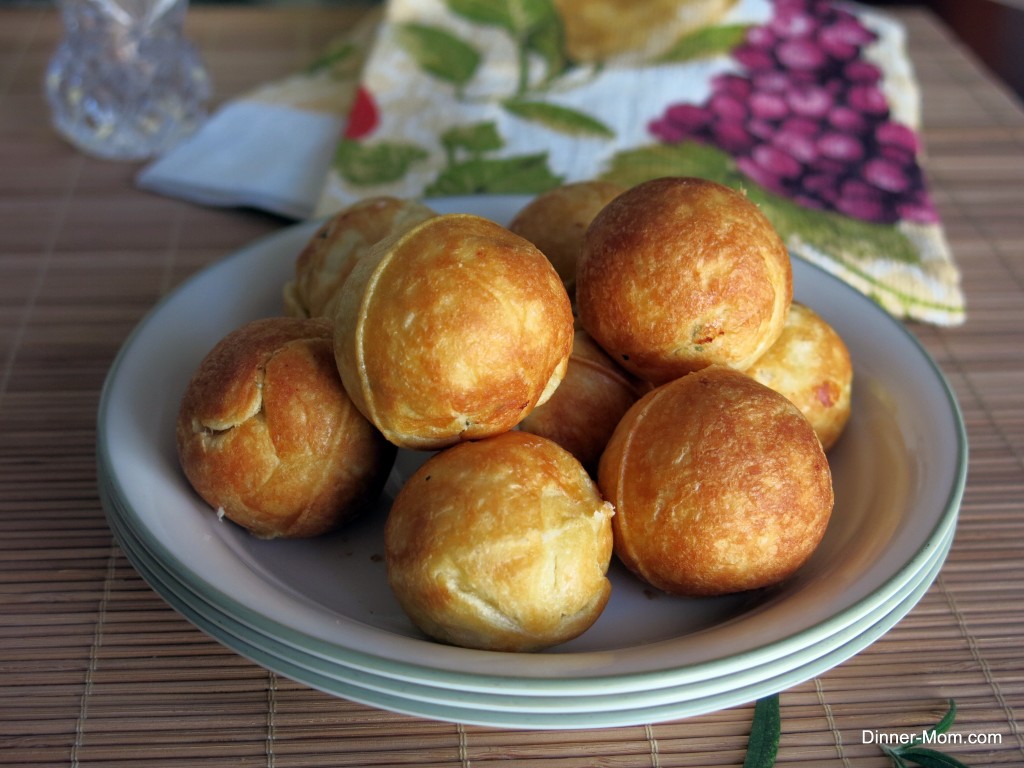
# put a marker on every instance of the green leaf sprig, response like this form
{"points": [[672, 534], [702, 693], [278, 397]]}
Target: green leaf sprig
{"points": [[914, 753], [766, 729]]}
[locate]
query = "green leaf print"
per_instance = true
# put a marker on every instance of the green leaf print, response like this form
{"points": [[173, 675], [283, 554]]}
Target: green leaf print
{"points": [[706, 42], [524, 174], [439, 52], [548, 42], [518, 17], [474, 138], [366, 165], [559, 118], [851, 242], [534, 26], [832, 233], [333, 57], [631, 167]]}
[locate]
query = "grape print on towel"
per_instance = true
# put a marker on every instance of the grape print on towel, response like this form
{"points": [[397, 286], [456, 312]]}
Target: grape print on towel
{"points": [[806, 118], [809, 106], [812, 112]]}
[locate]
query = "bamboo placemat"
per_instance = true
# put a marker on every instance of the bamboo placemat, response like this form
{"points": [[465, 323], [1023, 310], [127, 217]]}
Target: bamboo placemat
{"points": [[96, 669]]}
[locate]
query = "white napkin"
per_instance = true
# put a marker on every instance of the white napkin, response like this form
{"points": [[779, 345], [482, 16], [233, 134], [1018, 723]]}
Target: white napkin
{"points": [[247, 155], [271, 148]]}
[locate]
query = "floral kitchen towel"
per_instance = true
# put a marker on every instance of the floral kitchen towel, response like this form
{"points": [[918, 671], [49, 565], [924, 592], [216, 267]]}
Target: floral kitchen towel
{"points": [[809, 106]]}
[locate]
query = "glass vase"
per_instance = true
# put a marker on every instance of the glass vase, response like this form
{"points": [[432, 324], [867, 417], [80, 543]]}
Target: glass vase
{"points": [[124, 82]]}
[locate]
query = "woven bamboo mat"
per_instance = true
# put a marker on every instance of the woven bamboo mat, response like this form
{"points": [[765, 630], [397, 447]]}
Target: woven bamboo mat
{"points": [[96, 669]]}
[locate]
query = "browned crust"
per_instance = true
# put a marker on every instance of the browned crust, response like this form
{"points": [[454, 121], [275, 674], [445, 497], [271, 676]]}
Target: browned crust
{"points": [[810, 364], [680, 273], [501, 544], [719, 485], [556, 221], [328, 258], [267, 435], [453, 331], [588, 404]]}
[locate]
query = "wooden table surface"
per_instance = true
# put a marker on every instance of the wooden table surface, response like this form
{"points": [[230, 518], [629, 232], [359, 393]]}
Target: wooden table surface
{"points": [[96, 669]]}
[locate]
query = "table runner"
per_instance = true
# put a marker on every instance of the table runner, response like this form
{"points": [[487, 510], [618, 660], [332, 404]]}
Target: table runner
{"points": [[98, 670]]}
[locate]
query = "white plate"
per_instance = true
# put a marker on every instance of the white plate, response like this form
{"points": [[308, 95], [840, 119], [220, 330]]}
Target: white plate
{"points": [[505, 701], [899, 472], [515, 711]]}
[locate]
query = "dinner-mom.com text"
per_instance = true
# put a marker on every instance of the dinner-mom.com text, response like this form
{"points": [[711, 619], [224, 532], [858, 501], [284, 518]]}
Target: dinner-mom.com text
{"points": [[929, 737]]}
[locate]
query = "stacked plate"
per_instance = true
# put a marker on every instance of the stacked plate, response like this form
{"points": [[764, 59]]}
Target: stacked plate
{"points": [[320, 611]]}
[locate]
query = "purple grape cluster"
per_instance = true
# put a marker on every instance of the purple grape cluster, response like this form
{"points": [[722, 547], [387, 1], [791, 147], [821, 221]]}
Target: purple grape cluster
{"points": [[807, 118]]}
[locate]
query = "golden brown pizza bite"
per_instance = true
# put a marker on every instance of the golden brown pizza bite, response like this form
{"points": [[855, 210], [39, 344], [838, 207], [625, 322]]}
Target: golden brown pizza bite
{"points": [[555, 221], [680, 273], [268, 437], [810, 364], [453, 331], [719, 485], [500, 544], [583, 412], [327, 259]]}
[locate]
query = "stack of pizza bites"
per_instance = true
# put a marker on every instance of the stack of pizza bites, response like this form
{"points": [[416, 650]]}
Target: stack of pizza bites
{"points": [[618, 370]]}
